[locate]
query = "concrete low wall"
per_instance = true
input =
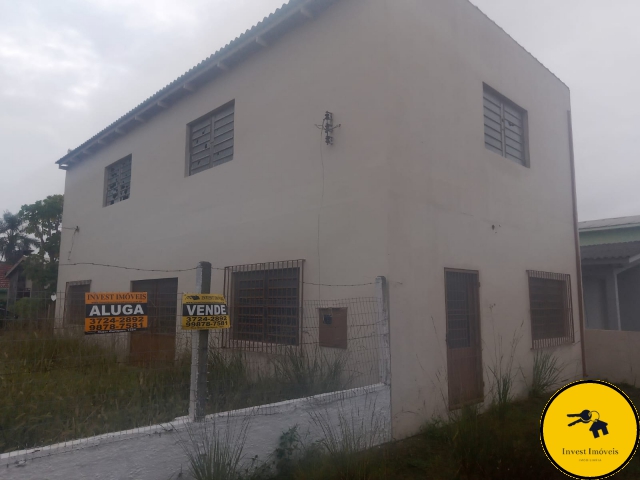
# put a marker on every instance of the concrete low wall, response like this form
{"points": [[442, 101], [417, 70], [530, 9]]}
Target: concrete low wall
{"points": [[613, 355], [157, 453]]}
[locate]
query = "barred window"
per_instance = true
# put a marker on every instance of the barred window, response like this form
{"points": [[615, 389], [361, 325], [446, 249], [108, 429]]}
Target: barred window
{"points": [[74, 309], [551, 309], [504, 127], [265, 301], [211, 139], [118, 181]]}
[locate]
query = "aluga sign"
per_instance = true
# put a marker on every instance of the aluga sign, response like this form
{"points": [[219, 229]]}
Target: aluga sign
{"points": [[115, 312]]}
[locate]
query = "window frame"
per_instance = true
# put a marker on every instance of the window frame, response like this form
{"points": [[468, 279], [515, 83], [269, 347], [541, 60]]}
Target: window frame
{"points": [[526, 161], [65, 316], [128, 158], [568, 336], [188, 139], [232, 337]]}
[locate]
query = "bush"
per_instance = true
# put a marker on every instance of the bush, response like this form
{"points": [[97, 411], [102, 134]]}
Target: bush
{"points": [[31, 308]]}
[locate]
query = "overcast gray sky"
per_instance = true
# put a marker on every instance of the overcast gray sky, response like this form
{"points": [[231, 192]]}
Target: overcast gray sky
{"points": [[68, 68]]}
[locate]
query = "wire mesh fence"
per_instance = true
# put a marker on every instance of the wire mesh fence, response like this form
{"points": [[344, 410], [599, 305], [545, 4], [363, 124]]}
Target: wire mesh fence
{"points": [[58, 384]]}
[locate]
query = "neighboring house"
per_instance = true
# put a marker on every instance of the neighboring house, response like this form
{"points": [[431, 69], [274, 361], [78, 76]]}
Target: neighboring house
{"points": [[610, 251], [19, 285], [451, 175], [4, 281]]}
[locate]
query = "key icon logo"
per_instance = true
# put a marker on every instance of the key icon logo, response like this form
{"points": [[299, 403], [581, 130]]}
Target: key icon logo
{"points": [[587, 416]]}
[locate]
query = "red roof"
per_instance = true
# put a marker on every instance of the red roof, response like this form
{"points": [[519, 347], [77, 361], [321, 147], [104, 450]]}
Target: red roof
{"points": [[4, 268]]}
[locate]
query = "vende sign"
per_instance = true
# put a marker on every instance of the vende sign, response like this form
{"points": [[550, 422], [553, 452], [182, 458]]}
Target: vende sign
{"points": [[204, 311], [115, 312]]}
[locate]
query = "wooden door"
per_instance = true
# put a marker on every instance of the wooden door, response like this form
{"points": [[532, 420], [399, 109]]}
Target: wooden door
{"points": [[158, 343], [464, 345]]}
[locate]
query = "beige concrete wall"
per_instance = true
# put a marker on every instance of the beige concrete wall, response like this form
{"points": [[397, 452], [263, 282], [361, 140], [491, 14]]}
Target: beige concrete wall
{"points": [[409, 187], [455, 204], [264, 205], [613, 355]]}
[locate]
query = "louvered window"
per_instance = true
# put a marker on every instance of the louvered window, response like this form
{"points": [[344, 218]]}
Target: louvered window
{"points": [[504, 127], [211, 139], [118, 181]]}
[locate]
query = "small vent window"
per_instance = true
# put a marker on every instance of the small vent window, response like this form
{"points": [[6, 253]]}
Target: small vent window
{"points": [[118, 181], [504, 127], [211, 139]]}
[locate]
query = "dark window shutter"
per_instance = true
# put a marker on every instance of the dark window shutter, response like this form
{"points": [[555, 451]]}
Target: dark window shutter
{"points": [[504, 124], [211, 140]]}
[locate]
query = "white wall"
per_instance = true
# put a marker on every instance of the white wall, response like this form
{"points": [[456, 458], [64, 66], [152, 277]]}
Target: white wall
{"points": [[157, 453], [455, 204]]}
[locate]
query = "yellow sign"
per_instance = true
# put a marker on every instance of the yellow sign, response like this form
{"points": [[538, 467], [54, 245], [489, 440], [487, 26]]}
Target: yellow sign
{"points": [[589, 429], [115, 312], [204, 311]]}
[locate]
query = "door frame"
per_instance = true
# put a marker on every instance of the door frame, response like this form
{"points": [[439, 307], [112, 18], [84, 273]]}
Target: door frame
{"points": [[480, 370]]}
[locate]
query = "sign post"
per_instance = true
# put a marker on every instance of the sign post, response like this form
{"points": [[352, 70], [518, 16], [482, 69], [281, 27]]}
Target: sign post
{"points": [[199, 352]]}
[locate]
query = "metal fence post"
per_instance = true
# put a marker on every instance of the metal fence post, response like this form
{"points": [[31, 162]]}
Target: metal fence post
{"points": [[199, 352], [382, 297]]}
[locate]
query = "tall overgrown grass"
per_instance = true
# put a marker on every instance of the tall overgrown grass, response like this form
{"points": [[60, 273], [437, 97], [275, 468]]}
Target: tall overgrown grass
{"points": [[236, 379], [216, 453], [56, 388], [546, 373]]}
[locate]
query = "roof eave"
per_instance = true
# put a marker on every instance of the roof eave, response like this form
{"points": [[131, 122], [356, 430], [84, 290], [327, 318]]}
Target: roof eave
{"points": [[252, 40]]}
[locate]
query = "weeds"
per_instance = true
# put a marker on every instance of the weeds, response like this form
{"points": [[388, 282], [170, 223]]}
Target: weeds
{"points": [[214, 454], [310, 373], [546, 373], [502, 372]]}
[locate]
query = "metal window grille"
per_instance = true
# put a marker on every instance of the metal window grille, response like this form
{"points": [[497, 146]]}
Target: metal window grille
{"points": [[118, 181], [74, 302], [463, 309], [265, 304], [504, 127], [551, 309], [211, 139]]}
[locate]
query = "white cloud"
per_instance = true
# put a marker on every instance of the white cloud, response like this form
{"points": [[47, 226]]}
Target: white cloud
{"points": [[35, 54], [159, 15]]}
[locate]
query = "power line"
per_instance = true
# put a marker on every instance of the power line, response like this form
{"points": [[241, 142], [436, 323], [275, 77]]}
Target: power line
{"points": [[132, 268]]}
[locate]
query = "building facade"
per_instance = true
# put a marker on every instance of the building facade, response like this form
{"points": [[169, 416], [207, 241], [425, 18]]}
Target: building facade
{"points": [[610, 251], [450, 174]]}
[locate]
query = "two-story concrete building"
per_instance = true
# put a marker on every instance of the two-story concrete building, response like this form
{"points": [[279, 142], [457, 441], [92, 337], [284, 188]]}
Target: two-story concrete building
{"points": [[451, 174]]}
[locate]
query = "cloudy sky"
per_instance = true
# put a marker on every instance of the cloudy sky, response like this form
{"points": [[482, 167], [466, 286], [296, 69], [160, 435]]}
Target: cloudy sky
{"points": [[68, 68]]}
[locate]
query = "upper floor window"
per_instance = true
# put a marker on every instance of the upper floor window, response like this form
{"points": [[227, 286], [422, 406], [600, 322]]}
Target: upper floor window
{"points": [[505, 127], [211, 139], [551, 309], [118, 181]]}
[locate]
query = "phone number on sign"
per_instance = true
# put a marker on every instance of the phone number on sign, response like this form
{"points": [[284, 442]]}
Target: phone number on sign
{"points": [[113, 324], [220, 321]]}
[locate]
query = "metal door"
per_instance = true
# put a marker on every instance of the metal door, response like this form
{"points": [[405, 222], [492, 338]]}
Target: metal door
{"points": [[158, 343], [464, 346]]}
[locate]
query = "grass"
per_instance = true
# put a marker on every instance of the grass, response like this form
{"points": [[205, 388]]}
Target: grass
{"points": [[235, 383], [546, 373], [56, 388], [500, 444], [216, 454]]}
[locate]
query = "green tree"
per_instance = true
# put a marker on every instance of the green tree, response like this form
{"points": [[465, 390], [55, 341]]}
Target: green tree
{"points": [[13, 237], [43, 220]]}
